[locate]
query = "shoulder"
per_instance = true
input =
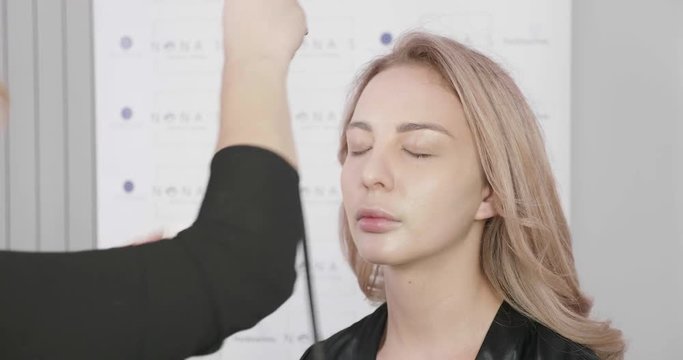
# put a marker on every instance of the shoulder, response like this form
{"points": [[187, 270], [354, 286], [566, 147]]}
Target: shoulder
{"points": [[514, 336], [355, 342], [547, 344]]}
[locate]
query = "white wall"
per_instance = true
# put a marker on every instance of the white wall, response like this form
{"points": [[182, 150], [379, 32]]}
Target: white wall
{"points": [[627, 168]]}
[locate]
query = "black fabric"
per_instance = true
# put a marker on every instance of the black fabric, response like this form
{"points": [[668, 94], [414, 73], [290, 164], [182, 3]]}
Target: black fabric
{"points": [[170, 299], [511, 336]]}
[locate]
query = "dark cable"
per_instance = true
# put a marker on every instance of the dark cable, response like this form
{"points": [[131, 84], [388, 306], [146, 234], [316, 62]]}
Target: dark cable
{"points": [[317, 350]]}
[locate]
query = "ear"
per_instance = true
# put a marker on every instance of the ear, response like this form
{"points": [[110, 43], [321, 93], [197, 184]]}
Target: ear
{"points": [[486, 209]]}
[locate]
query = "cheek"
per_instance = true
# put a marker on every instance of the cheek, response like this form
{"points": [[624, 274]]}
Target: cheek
{"points": [[349, 180], [344, 183], [445, 207], [348, 189]]}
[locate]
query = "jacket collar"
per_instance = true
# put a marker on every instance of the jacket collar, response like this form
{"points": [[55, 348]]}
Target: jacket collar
{"points": [[506, 332]]}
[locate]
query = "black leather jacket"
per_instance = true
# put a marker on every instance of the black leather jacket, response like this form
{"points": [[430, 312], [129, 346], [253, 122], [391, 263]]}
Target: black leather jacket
{"points": [[511, 336]]}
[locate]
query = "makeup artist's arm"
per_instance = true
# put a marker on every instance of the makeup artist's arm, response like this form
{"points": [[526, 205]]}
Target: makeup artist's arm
{"points": [[258, 55], [234, 265]]}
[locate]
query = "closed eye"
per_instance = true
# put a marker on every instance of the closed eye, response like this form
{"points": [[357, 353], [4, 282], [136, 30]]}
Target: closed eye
{"points": [[358, 153], [417, 155]]}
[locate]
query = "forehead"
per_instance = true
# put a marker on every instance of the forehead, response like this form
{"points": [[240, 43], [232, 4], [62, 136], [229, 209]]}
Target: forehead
{"points": [[408, 93]]}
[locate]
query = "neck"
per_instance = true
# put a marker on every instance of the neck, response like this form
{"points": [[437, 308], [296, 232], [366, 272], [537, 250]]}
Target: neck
{"points": [[441, 306]]}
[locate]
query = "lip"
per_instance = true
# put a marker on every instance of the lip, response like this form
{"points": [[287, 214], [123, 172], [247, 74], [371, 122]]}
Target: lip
{"points": [[374, 213], [376, 220]]}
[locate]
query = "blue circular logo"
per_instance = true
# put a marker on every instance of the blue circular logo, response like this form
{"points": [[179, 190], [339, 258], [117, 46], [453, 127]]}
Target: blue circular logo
{"points": [[387, 38], [126, 42], [128, 186], [126, 113]]}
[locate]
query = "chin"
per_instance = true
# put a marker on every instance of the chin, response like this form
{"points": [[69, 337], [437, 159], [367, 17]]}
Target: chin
{"points": [[381, 251]]}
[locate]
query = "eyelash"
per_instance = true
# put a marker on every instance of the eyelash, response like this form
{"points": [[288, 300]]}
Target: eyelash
{"points": [[417, 156]]}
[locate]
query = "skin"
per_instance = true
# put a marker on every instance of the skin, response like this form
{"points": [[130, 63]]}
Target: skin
{"points": [[430, 180], [260, 40]]}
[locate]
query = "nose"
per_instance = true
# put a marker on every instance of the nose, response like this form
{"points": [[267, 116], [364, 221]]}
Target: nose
{"points": [[377, 171]]}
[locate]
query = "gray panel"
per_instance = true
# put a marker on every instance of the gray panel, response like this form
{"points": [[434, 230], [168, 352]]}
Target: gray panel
{"points": [[678, 157], [52, 174], [623, 159], [4, 153], [23, 196], [81, 126]]}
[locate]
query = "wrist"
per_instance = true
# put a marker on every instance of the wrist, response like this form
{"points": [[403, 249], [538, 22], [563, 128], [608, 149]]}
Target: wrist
{"points": [[260, 64]]}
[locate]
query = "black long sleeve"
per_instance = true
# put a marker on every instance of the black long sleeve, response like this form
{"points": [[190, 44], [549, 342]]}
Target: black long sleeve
{"points": [[170, 299]]}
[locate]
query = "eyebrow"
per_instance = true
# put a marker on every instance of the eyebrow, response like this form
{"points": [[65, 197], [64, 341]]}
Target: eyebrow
{"points": [[403, 128]]}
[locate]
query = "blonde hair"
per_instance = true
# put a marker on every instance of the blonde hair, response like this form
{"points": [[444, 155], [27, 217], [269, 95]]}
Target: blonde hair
{"points": [[526, 251]]}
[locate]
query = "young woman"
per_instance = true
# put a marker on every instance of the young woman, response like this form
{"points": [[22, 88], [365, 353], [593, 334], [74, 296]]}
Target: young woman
{"points": [[451, 218]]}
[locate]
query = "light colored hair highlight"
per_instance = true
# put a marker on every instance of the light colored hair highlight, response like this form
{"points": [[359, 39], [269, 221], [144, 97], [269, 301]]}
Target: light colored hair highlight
{"points": [[526, 251]]}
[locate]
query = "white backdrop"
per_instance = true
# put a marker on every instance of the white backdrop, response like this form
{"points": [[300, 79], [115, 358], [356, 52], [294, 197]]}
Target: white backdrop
{"points": [[157, 67]]}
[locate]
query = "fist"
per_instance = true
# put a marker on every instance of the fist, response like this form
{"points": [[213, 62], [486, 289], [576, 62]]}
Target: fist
{"points": [[262, 29]]}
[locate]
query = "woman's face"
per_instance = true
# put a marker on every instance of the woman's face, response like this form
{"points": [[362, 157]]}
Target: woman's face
{"points": [[412, 184]]}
